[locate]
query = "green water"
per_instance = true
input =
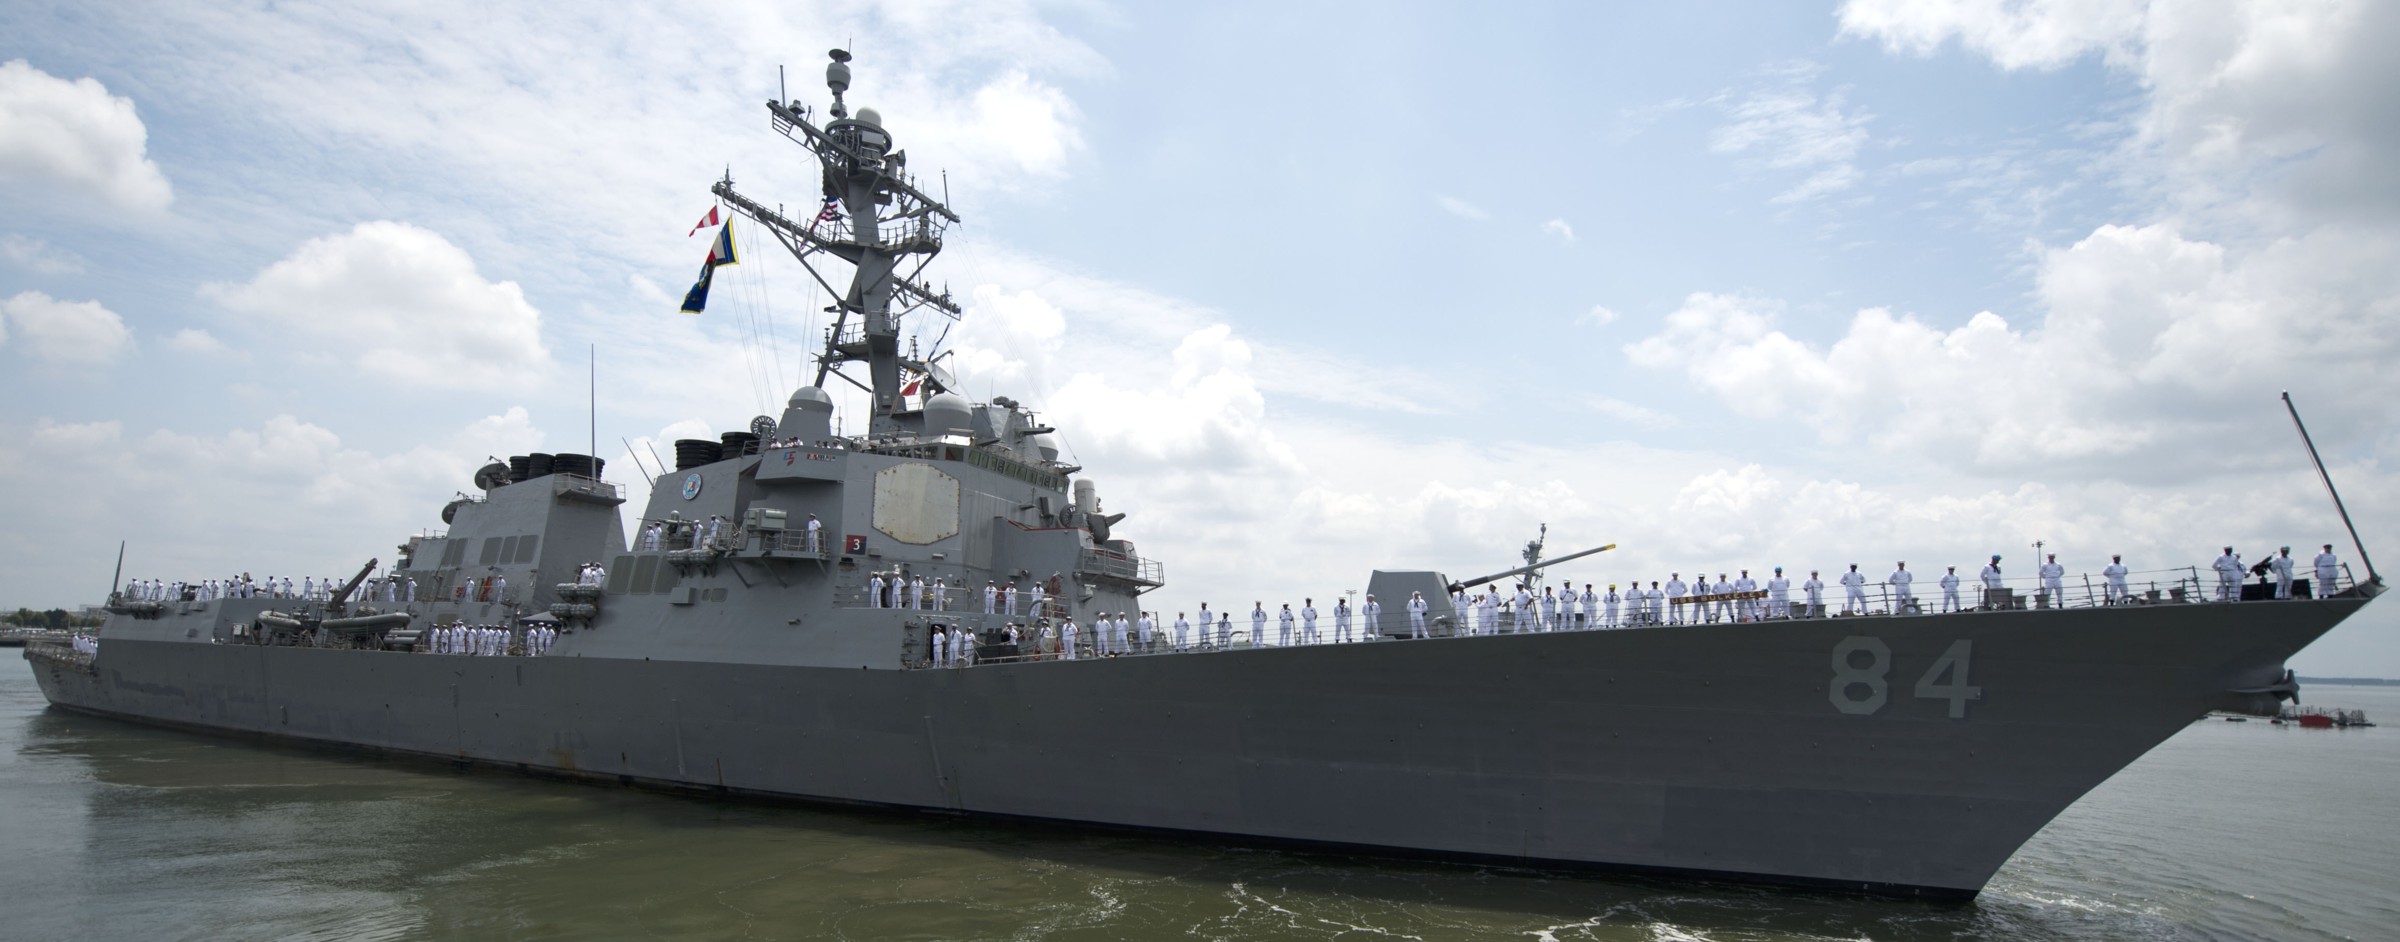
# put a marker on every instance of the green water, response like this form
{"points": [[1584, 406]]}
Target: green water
{"points": [[115, 831]]}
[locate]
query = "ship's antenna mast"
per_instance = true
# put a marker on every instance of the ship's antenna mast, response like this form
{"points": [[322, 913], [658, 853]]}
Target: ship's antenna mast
{"points": [[1533, 554], [2328, 479], [873, 217], [118, 580]]}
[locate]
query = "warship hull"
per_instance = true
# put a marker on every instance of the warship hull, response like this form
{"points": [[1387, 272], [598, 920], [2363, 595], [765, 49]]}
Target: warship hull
{"points": [[1909, 754]]}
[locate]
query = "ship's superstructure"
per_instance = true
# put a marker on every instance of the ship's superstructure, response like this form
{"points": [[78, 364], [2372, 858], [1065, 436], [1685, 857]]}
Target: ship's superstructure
{"points": [[769, 631]]}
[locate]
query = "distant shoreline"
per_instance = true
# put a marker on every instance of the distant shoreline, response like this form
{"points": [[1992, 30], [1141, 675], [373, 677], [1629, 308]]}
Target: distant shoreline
{"points": [[2352, 681]]}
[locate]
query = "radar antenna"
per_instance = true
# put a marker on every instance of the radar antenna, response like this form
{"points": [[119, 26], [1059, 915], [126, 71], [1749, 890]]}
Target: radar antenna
{"points": [[873, 217]]}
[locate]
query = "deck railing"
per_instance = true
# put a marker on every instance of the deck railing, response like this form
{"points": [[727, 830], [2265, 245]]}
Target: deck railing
{"points": [[2188, 585]]}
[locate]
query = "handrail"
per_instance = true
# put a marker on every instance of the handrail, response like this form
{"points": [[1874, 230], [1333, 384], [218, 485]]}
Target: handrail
{"points": [[2178, 586]]}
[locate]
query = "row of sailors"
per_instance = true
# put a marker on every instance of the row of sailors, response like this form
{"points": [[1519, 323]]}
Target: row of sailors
{"points": [[488, 640], [86, 645], [382, 589], [1728, 599], [239, 587], [703, 534]]}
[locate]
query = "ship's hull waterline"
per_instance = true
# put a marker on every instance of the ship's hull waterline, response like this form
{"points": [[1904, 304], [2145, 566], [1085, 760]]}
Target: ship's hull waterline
{"points": [[1866, 753]]}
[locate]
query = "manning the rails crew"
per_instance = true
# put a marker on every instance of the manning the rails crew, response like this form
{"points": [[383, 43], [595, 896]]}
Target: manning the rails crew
{"points": [[1050, 631]]}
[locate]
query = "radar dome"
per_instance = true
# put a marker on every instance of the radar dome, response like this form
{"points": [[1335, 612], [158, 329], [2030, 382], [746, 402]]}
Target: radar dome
{"points": [[870, 116], [947, 414], [812, 399], [1044, 445], [808, 417]]}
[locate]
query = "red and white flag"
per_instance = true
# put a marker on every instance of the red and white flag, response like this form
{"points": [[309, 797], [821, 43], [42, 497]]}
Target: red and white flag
{"points": [[705, 222]]}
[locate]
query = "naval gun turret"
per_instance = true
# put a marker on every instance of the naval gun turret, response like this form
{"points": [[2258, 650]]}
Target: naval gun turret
{"points": [[1392, 588]]}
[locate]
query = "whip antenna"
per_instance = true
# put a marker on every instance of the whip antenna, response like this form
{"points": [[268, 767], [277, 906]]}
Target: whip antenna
{"points": [[2328, 479]]}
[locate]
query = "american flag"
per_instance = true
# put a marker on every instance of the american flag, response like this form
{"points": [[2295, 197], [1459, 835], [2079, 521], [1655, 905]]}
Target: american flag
{"points": [[832, 211]]}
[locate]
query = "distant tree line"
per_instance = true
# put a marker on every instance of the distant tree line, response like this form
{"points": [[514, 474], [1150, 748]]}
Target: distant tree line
{"points": [[54, 618]]}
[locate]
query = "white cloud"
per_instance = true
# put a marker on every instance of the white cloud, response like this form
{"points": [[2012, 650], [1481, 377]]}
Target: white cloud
{"points": [[35, 255], [2013, 33], [400, 303], [1559, 228], [1627, 412], [1029, 125], [2244, 99], [218, 481], [1600, 315], [77, 134], [2153, 350], [67, 331], [1459, 208], [194, 340], [1789, 126]]}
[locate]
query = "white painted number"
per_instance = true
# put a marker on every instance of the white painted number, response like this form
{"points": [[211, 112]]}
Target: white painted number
{"points": [[1954, 662], [1846, 675], [1849, 675]]}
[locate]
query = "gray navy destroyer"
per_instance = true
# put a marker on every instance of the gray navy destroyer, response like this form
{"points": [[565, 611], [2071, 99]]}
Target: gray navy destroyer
{"points": [[735, 649]]}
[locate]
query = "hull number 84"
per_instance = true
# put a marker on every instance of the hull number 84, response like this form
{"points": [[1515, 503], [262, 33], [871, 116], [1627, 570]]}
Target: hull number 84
{"points": [[1862, 665]]}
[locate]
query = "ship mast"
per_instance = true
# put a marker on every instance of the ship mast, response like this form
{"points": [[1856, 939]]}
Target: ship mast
{"points": [[888, 221]]}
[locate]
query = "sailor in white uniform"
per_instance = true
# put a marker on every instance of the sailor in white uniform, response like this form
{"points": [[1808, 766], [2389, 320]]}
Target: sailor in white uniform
{"points": [[2329, 572], [1341, 621], [991, 596], [1372, 613], [1033, 598], [816, 534], [1589, 618], [941, 647], [2229, 576], [1723, 606], [941, 594], [1610, 604], [1224, 629], [1854, 588], [1008, 599], [1523, 620], [1904, 595], [1747, 608], [1416, 615], [1779, 595], [2054, 582], [1283, 626], [1676, 590], [2281, 565], [1308, 621], [1143, 630], [1205, 624], [1549, 610], [1258, 624], [875, 591], [1067, 633], [1992, 582], [1950, 590], [2114, 573], [916, 591], [963, 647], [1183, 632]]}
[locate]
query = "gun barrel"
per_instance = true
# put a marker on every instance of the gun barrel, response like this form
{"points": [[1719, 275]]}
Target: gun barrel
{"points": [[1544, 564], [342, 596]]}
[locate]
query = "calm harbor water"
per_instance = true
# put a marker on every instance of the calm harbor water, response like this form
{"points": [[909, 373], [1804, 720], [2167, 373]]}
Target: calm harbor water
{"points": [[114, 831]]}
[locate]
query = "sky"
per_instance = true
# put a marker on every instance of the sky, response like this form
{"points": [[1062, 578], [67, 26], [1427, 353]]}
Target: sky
{"points": [[1308, 289]]}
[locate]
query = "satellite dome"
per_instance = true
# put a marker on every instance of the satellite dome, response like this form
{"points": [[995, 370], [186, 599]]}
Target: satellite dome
{"points": [[812, 399], [870, 116], [1044, 445], [947, 414]]}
